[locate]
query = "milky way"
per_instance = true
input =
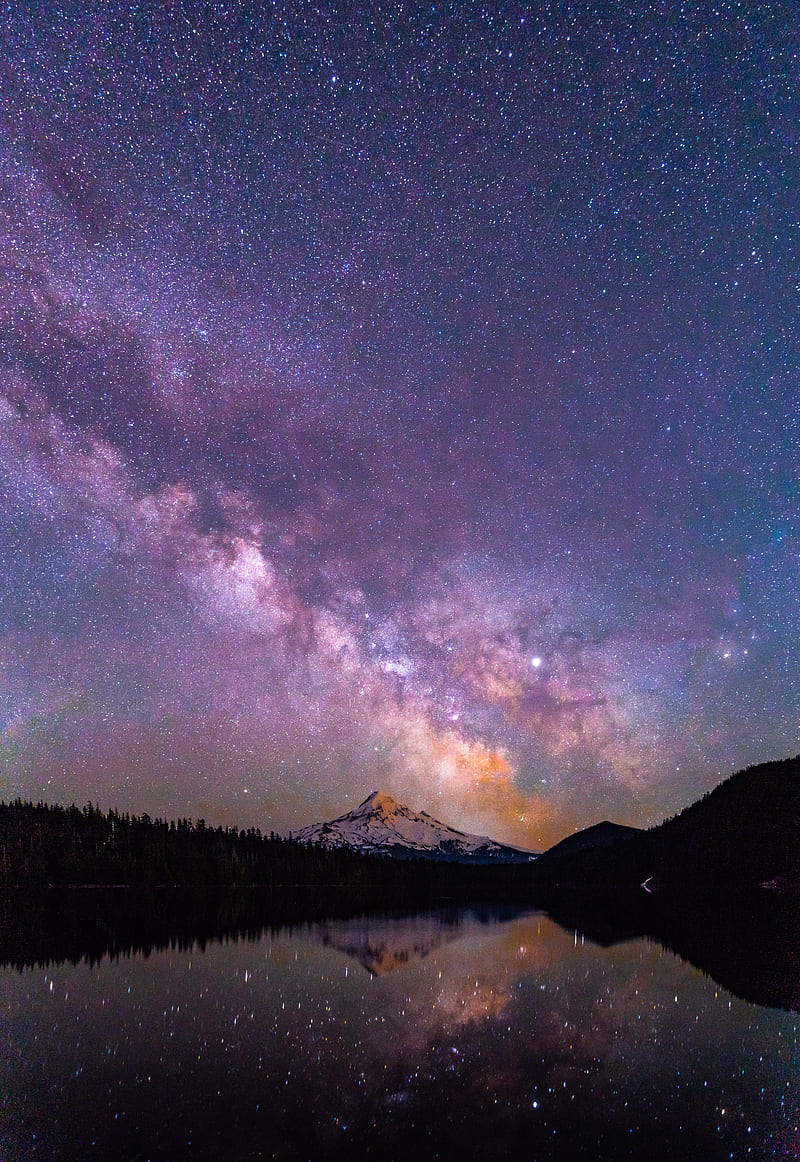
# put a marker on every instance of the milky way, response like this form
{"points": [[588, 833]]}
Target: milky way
{"points": [[398, 396]]}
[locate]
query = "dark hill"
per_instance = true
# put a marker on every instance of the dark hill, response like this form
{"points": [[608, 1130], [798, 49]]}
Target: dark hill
{"points": [[746, 831], [600, 835], [746, 828]]}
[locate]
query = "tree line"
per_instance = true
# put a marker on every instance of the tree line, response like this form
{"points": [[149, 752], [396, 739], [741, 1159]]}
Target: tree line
{"points": [[44, 844]]}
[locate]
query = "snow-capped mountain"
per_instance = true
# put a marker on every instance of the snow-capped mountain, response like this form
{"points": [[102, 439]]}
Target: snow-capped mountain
{"points": [[382, 826]]}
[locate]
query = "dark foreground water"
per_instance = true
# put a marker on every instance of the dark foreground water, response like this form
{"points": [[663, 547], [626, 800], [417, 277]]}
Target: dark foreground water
{"points": [[451, 1033]]}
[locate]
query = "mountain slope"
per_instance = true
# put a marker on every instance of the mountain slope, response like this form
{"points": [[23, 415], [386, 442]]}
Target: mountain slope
{"points": [[745, 831], [382, 826]]}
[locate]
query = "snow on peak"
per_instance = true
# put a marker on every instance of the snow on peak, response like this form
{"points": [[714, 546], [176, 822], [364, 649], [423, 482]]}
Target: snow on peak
{"points": [[380, 802], [381, 825]]}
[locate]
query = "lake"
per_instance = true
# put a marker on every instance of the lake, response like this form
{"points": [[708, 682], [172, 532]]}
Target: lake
{"points": [[451, 1033]]}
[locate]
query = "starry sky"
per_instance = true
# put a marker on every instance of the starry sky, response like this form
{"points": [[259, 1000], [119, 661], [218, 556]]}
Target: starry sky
{"points": [[398, 395]]}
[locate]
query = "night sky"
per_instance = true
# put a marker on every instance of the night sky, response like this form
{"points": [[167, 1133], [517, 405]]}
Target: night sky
{"points": [[399, 396]]}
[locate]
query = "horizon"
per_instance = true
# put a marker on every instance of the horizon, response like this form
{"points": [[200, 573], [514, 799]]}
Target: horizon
{"points": [[406, 399], [380, 792]]}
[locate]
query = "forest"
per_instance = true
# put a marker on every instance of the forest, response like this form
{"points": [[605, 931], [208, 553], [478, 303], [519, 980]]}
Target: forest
{"points": [[46, 845]]}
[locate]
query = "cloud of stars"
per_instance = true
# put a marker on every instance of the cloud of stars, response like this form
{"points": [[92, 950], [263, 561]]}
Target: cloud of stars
{"points": [[401, 399]]}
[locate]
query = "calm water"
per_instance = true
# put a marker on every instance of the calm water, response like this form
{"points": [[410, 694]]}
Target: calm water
{"points": [[444, 1034]]}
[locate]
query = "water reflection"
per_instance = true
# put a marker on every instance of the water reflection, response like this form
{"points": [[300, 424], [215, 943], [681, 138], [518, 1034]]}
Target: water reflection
{"points": [[453, 1033], [384, 942], [749, 942]]}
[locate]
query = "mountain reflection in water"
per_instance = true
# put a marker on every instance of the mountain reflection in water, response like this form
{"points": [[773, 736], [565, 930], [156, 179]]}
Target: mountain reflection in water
{"points": [[455, 1032], [384, 944]]}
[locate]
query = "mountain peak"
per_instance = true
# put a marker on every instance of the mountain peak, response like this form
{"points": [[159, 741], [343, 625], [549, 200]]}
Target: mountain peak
{"points": [[382, 825], [380, 801]]}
